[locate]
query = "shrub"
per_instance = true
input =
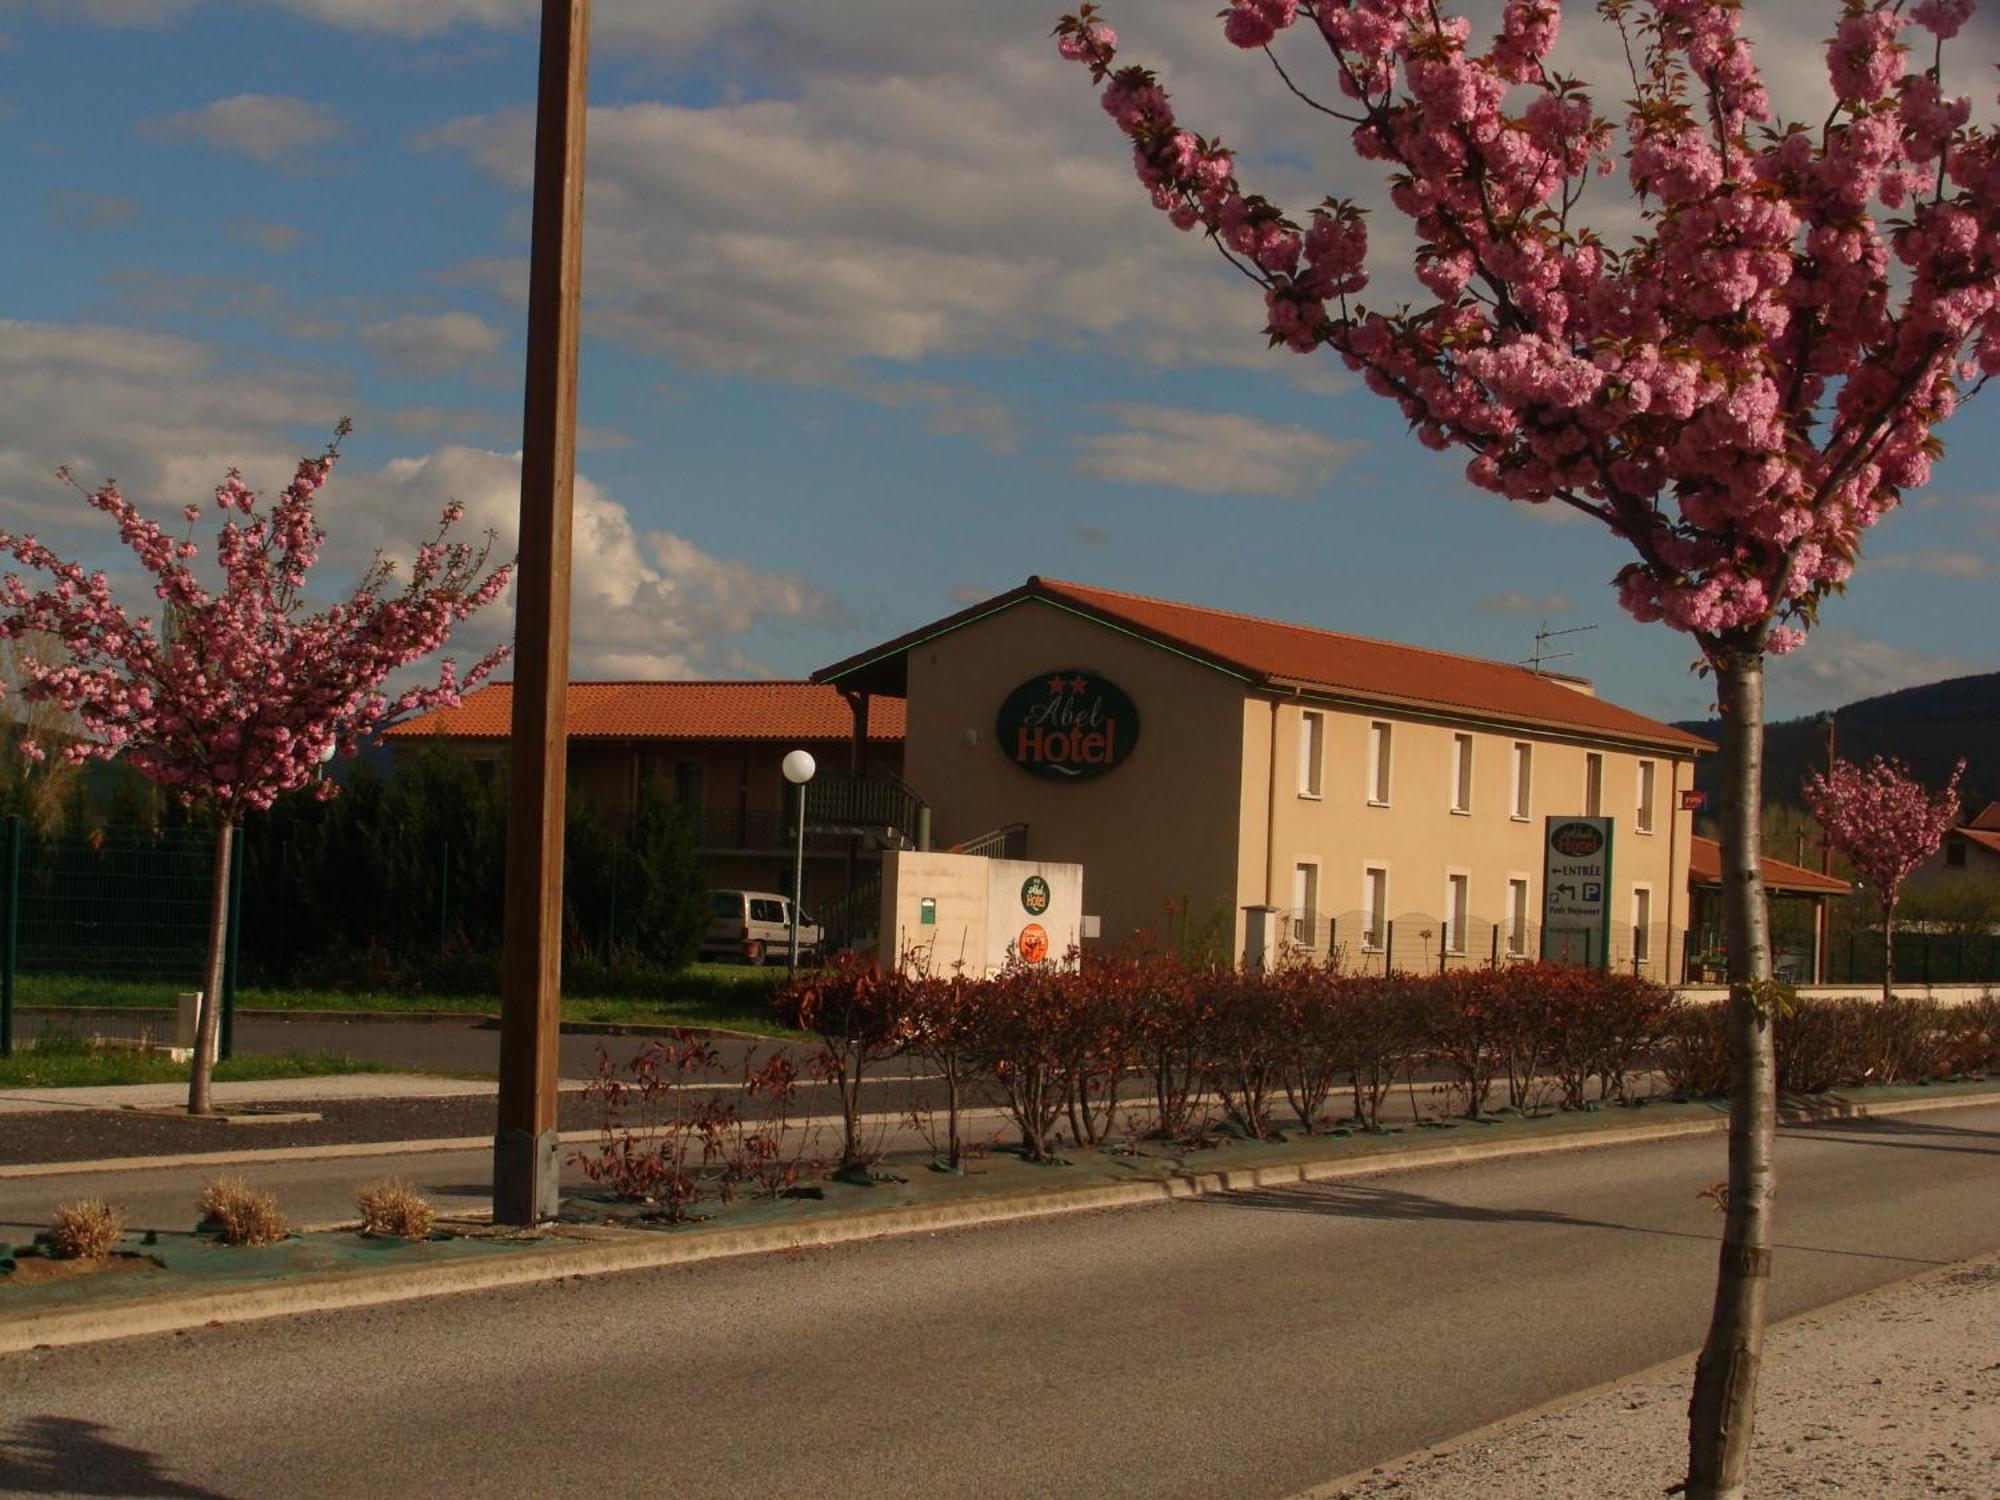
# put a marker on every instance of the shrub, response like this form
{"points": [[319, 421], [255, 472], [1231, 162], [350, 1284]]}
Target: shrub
{"points": [[393, 1209], [87, 1229], [238, 1214], [1100, 1039], [1172, 1025], [1022, 1014], [863, 1015], [1245, 1042], [1312, 1052], [1470, 1024], [654, 1134], [941, 1033], [1382, 1029]]}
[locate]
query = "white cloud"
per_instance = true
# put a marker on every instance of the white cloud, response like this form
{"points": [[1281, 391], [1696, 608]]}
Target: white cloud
{"points": [[1515, 602], [88, 212], [889, 219], [648, 604], [1838, 666], [432, 343], [1940, 562], [168, 416], [154, 295], [116, 13], [278, 239], [165, 415], [1212, 453], [264, 127]]}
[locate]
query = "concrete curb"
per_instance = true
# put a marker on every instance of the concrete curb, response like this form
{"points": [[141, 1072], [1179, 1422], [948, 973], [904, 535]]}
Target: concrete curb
{"points": [[644, 1250], [1388, 1468]]}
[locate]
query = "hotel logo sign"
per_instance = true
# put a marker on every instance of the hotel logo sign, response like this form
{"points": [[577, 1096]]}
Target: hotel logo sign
{"points": [[1067, 726]]}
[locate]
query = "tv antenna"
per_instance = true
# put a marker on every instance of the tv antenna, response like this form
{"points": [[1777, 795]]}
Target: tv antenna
{"points": [[1542, 639]]}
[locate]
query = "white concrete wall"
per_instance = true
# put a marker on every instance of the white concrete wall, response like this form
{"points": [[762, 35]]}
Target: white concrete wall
{"points": [[979, 910]]}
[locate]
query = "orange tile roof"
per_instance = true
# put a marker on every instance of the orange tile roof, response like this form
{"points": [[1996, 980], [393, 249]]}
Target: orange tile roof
{"points": [[1705, 868], [672, 711], [1989, 818], [1986, 838], [1269, 653]]}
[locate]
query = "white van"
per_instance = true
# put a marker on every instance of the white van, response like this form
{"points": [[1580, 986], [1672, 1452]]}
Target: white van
{"points": [[755, 926]]}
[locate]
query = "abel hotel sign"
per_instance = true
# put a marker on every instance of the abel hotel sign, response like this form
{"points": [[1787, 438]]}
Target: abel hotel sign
{"points": [[1067, 726]]}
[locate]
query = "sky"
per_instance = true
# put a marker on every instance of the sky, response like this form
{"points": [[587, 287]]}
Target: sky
{"points": [[877, 322]]}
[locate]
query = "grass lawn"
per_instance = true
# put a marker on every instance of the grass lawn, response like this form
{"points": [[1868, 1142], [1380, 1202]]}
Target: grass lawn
{"points": [[68, 1063], [733, 996]]}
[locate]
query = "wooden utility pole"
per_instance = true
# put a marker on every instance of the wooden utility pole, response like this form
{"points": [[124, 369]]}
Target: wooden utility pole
{"points": [[527, 1160]]}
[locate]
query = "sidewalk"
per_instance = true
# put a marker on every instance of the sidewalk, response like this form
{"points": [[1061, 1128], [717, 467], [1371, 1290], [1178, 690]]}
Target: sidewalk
{"points": [[264, 1091], [1894, 1395]]}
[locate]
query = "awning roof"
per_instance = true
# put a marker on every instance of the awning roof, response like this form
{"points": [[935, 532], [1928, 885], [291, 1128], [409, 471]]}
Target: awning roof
{"points": [[1705, 868]]}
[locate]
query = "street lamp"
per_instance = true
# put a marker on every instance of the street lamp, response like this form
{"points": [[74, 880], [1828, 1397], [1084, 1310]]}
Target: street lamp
{"points": [[799, 768]]}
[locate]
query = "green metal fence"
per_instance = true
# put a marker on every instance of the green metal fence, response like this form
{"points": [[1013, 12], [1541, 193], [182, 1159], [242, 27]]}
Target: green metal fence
{"points": [[103, 930]]}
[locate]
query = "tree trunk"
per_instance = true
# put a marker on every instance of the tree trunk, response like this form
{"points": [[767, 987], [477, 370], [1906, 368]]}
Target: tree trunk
{"points": [[1888, 953], [1723, 1406], [208, 1020]]}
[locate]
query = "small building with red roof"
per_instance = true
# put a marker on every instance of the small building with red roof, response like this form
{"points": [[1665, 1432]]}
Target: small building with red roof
{"points": [[719, 746]]}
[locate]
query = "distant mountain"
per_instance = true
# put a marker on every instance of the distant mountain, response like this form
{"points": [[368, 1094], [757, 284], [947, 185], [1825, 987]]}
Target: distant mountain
{"points": [[1928, 727]]}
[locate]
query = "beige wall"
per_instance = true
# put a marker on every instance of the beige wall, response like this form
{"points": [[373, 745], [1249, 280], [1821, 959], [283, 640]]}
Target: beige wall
{"points": [[1420, 841], [1162, 826], [1189, 817]]}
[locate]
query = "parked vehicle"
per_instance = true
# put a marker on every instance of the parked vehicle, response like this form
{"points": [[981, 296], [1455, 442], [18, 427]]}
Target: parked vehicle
{"points": [[755, 926]]}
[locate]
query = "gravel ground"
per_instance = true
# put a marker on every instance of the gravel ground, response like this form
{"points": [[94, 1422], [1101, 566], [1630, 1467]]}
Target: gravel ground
{"points": [[1893, 1395]]}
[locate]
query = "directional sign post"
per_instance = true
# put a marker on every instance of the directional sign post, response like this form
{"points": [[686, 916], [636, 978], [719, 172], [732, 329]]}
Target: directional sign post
{"points": [[1576, 891]]}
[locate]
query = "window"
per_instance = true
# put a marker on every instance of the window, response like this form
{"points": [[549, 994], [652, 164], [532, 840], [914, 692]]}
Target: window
{"points": [[1642, 924], [1312, 750], [1644, 822], [1523, 777], [1378, 764], [1456, 901], [1593, 785], [1517, 917], [767, 911], [1305, 905], [1461, 773], [1954, 854], [1375, 906]]}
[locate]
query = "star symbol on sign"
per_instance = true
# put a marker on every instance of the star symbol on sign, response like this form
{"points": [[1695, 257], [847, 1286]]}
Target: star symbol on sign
{"points": [[1078, 684], [1056, 684]]}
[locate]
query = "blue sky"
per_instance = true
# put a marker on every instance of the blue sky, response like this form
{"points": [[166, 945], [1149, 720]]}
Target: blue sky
{"points": [[877, 321]]}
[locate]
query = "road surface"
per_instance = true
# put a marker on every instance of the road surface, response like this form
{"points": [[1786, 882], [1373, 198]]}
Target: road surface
{"points": [[1245, 1346]]}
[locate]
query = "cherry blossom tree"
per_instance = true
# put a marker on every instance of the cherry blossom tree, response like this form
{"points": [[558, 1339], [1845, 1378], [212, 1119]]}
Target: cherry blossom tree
{"points": [[232, 697], [1738, 391], [1887, 823]]}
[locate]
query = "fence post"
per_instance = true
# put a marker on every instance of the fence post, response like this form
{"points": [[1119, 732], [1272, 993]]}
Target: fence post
{"points": [[1389, 945], [232, 943], [1495, 963], [10, 931]]}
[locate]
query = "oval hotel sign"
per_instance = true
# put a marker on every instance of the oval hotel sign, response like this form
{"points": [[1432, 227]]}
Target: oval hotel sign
{"points": [[1067, 726]]}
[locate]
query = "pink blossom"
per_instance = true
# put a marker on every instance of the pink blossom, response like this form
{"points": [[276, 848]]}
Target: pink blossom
{"points": [[231, 709], [1742, 389]]}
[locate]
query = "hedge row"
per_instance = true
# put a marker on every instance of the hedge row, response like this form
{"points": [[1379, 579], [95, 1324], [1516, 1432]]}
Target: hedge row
{"points": [[1079, 1045], [1128, 1046]]}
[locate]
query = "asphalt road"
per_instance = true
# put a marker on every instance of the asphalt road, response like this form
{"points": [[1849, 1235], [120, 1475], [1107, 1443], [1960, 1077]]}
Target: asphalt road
{"points": [[1246, 1346]]}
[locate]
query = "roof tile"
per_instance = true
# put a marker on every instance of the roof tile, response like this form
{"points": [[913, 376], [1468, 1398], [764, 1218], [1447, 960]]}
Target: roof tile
{"points": [[1271, 653], [672, 711]]}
